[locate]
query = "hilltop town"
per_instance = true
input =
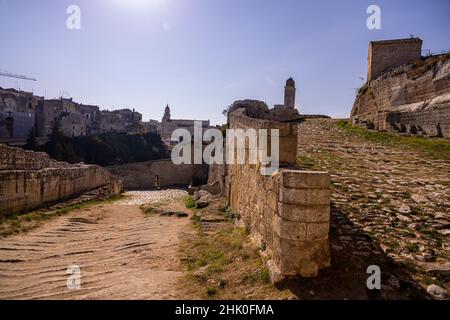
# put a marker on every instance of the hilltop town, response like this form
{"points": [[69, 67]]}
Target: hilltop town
{"points": [[22, 111]]}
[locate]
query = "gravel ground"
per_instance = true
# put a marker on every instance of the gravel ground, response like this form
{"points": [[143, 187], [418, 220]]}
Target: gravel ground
{"points": [[137, 198]]}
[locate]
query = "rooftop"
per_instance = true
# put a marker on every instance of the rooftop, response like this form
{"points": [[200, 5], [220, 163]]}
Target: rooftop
{"points": [[397, 41]]}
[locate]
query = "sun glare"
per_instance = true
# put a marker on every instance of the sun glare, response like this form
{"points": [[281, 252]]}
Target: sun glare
{"points": [[140, 3]]}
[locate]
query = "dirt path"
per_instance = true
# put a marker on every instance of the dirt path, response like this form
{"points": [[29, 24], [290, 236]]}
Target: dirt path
{"points": [[121, 254]]}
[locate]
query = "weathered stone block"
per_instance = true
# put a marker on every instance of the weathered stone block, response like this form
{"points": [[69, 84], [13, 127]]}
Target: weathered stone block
{"points": [[276, 277], [302, 258], [288, 229], [304, 213], [295, 179], [317, 231], [305, 196]]}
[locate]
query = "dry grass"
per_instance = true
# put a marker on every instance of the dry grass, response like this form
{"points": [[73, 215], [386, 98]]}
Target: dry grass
{"points": [[224, 265]]}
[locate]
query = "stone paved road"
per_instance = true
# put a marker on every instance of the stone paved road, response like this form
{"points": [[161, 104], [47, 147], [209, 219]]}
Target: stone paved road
{"points": [[121, 254], [399, 196]]}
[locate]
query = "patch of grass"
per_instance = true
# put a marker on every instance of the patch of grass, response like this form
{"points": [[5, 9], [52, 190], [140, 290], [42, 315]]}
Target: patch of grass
{"points": [[412, 247], [189, 202], [196, 220], [228, 213], [227, 259], [211, 291], [305, 162], [362, 91], [262, 275], [439, 148]]}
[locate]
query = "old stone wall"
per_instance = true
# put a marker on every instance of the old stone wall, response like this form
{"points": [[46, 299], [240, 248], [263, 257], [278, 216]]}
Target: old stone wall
{"points": [[31, 179], [145, 175], [387, 54], [288, 212], [411, 98]]}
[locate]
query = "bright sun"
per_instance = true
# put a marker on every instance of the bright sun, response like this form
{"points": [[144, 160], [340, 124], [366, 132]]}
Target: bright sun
{"points": [[140, 3]]}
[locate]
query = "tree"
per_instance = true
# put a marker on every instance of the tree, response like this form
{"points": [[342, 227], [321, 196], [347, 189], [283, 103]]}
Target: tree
{"points": [[56, 134], [56, 143], [31, 140]]}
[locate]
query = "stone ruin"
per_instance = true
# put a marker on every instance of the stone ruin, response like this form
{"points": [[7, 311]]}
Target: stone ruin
{"points": [[287, 213], [32, 179], [405, 93]]}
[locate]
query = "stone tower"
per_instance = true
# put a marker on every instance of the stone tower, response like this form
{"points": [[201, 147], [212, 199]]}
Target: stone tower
{"points": [[289, 94], [388, 54], [166, 116]]}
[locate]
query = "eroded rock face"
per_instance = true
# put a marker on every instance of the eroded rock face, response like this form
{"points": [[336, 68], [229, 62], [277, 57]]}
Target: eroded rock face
{"points": [[30, 179], [413, 98]]}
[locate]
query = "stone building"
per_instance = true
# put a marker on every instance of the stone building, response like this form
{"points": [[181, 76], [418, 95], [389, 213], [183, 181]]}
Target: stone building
{"points": [[388, 54], [48, 110], [168, 125], [108, 121], [289, 95], [20, 111], [132, 119], [409, 94], [17, 113], [79, 119]]}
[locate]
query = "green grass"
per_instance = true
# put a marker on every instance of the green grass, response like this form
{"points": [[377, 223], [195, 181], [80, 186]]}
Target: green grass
{"points": [[195, 219], [306, 163], [216, 251], [439, 148], [228, 213], [363, 89], [189, 202]]}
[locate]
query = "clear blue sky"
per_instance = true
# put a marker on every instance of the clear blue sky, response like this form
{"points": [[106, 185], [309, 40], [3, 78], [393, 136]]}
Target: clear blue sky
{"points": [[201, 55]]}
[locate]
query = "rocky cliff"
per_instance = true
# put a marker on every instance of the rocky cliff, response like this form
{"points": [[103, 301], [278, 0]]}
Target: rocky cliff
{"points": [[413, 98]]}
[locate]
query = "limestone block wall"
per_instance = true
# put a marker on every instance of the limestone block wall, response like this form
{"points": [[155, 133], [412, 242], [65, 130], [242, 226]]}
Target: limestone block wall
{"points": [[142, 175], [20, 159], [391, 53], [30, 179], [288, 212], [433, 121], [216, 178]]}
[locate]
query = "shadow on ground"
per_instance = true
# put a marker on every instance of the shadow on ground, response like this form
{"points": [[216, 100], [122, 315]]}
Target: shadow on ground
{"points": [[352, 251]]}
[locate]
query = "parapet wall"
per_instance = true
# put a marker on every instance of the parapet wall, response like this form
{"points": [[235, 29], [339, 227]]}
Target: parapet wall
{"points": [[145, 175], [32, 179], [288, 212]]}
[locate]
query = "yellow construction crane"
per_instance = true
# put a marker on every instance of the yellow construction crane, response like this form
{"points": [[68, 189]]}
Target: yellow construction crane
{"points": [[18, 76]]}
